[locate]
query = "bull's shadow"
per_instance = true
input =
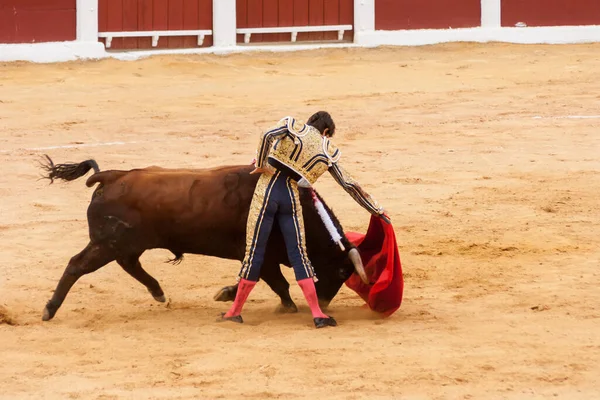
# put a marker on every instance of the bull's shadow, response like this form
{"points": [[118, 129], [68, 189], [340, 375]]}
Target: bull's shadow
{"points": [[196, 211]]}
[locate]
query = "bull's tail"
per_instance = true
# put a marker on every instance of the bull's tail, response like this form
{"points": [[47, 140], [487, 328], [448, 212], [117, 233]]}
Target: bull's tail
{"points": [[67, 172]]}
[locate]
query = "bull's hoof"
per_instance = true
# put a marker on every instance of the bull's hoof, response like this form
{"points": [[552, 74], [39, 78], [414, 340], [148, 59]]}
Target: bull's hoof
{"points": [[225, 294], [48, 314], [323, 322], [160, 299], [286, 309], [235, 318]]}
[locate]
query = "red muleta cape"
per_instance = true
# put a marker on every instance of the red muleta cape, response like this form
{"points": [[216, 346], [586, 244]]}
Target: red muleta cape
{"points": [[379, 253]]}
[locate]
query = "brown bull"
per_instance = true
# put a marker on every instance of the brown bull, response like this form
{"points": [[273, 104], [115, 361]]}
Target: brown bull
{"points": [[201, 211]]}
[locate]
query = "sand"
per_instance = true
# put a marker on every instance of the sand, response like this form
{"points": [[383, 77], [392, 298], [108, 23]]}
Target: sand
{"points": [[496, 215]]}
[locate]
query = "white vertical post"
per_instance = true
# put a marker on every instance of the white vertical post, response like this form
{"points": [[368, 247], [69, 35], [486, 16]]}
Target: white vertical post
{"points": [[364, 18], [224, 23], [87, 20], [491, 14]]}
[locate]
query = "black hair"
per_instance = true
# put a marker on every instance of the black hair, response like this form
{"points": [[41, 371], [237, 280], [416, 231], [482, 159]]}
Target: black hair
{"points": [[322, 120]]}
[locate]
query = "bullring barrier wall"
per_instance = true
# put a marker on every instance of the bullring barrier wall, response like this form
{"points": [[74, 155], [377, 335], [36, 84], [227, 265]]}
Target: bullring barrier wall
{"points": [[61, 30]]}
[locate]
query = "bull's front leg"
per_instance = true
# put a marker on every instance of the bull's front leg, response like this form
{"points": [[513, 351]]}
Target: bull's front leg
{"points": [[271, 274]]}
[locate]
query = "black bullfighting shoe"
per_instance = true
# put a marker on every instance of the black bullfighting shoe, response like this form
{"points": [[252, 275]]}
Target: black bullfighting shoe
{"points": [[323, 322], [236, 318]]}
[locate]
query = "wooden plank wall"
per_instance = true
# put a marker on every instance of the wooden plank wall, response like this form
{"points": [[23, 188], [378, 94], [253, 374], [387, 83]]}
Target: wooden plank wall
{"points": [[153, 15], [551, 12], [274, 13], [35, 21], [427, 14]]}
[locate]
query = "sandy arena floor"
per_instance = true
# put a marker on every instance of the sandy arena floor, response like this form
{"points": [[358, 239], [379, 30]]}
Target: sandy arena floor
{"points": [[496, 214]]}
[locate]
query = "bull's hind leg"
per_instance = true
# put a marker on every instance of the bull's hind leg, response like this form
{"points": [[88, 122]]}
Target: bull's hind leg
{"points": [[92, 258], [132, 265]]}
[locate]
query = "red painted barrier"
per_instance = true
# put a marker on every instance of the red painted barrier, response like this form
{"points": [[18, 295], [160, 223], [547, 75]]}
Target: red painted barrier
{"points": [[280, 13], [36, 21], [551, 12], [155, 15], [427, 14]]}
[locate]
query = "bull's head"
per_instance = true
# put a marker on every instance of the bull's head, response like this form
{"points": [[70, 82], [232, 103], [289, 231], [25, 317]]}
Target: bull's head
{"points": [[332, 276]]}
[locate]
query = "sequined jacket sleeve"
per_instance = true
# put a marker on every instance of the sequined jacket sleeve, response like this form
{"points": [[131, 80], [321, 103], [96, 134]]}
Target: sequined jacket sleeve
{"points": [[353, 188], [266, 141]]}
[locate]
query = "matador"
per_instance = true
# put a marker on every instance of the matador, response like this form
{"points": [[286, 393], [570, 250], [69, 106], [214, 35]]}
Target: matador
{"points": [[297, 154]]}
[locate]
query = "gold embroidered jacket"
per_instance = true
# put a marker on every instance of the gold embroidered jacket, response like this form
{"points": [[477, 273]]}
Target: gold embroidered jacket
{"points": [[303, 149]]}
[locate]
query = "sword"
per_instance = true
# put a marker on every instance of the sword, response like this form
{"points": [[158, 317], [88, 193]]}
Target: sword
{"points": [[335, 235]]}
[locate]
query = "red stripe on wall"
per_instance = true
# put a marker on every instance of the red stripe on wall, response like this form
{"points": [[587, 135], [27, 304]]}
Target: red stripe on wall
{"points": [[316, 18], [331, 16], [160, 21], [205, 19], [38, 5], [114, 22], [191, 20], [175, 23], [241, 18], [286, 13], [37, 26], [145, 22], [7, 26], [426, 14], [130, 22], [286, 17], [156, 15], [270, 19], [102, 17], [37, 21], [347, 16], [255, 18], [301, 17], [551, 12]]}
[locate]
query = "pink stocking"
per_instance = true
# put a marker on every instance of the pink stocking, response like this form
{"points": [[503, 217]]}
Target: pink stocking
{"points": [[310, 293], [244, 288]]}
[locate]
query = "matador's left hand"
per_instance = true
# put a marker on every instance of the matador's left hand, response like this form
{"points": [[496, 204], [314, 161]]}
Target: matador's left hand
{"points": [[260, 171], [385, 217]]}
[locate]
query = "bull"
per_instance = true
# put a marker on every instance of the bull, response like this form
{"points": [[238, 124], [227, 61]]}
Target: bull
{"points": [[194, 211]]}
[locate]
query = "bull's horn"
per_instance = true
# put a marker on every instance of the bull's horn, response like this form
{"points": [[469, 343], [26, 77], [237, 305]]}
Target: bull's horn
{"points": [[358, 265]]}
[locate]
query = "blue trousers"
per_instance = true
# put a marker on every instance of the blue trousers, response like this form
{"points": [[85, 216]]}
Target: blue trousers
{"points": [[275, 197]]}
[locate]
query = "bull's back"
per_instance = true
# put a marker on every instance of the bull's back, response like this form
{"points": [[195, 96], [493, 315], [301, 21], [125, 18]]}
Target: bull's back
{"points": [[176, 207]]}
